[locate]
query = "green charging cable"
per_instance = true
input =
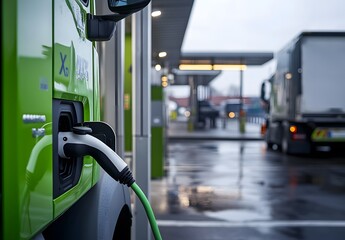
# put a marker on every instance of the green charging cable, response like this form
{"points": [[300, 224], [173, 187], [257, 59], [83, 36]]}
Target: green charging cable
{"points": [[148, 210]]}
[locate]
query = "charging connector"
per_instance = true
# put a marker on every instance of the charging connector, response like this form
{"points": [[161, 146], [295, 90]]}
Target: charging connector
{"points": [[80, 143]]}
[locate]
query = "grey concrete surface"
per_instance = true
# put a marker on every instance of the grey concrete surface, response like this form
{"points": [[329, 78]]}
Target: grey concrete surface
{"points": [[238, 190]]}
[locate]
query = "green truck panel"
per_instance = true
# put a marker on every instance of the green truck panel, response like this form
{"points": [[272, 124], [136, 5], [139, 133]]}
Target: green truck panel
{"points": [[73, 80], [26, 115], [43, 64]]}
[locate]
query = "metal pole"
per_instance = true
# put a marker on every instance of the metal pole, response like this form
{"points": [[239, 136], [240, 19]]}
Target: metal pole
{"points": [[141, 73], [241, 89], [119, 87], [193, 103], [241, 117]]}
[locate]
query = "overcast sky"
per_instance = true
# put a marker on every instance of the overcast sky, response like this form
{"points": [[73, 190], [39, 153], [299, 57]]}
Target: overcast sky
{"points": [[252, 25]]}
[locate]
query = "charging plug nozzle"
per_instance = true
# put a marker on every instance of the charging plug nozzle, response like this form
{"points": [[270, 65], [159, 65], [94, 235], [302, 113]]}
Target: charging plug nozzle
{"points": [[80, 143]]}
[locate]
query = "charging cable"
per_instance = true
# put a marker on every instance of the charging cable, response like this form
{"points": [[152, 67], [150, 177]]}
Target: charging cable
{"points": [[80, 143]]}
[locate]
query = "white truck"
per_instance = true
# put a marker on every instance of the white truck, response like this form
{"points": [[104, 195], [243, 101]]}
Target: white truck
{"points": [[307, 99]]}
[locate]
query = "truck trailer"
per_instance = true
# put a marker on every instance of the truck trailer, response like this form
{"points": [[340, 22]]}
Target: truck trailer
{"points": [[307, 100], [49, 85]]}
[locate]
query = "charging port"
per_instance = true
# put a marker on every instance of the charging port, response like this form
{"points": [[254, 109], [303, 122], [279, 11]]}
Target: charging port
{"points": [[67, 167], [66, 171]]}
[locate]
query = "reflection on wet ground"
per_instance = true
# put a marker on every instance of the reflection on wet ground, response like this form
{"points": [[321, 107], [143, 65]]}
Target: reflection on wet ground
{"points": [[237, 190]]}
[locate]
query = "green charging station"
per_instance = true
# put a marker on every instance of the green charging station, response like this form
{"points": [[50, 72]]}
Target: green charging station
{"points": [[157, 132]]}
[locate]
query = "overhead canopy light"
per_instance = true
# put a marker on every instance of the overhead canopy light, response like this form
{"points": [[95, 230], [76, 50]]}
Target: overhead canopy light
{"points": [[156, 13], [158, 67], [229, 67], [212, 67], [162, 54], [195, 67]]}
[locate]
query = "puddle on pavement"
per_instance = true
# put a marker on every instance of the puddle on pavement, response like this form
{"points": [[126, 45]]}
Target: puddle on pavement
{"points": [[215, 203], [210, 200]]}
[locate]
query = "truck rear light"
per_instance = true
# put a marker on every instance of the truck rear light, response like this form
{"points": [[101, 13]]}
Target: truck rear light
{"points": [[293, 129], [263, 129]]}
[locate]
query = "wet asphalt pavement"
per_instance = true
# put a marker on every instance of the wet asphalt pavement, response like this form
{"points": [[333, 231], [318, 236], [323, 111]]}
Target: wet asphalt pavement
{"points": [[238, 190]]}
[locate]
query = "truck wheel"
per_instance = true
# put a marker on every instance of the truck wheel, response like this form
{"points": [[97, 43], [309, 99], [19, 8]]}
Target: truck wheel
{"points": [[123, 225], [114, 216], [269, 145], [103, 213]]}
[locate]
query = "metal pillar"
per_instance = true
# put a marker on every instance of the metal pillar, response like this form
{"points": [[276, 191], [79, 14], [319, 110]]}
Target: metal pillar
{"points": [[193, 102], [241, 89], [141, 74], [119, 87], [241, 117]]}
